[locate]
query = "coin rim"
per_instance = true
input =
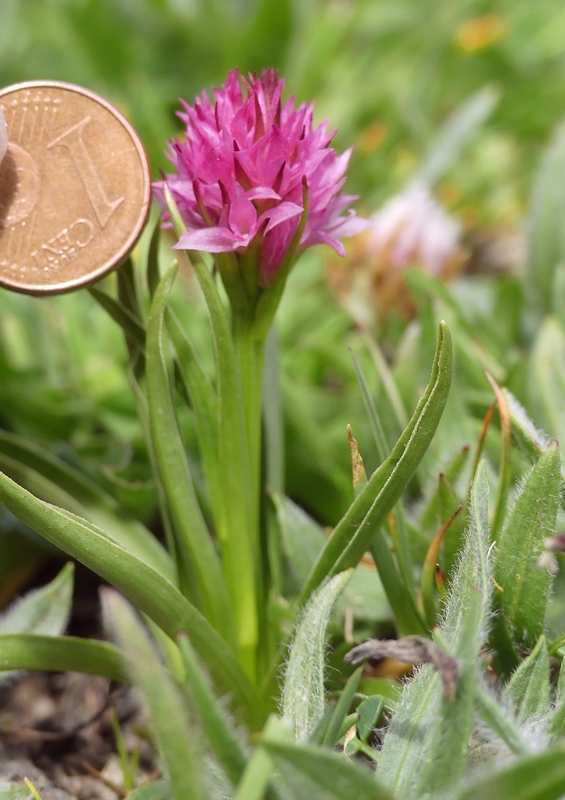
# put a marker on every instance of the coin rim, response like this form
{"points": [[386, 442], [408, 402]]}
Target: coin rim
{"points": [[92, 277]]}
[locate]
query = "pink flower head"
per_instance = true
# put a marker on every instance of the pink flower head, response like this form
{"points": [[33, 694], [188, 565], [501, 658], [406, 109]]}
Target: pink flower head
{"points": [[246, 166], [413, 229]]}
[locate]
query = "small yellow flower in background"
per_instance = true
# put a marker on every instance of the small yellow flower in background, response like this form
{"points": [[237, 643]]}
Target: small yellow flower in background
{"points": [[480, 32], [371, 137]]}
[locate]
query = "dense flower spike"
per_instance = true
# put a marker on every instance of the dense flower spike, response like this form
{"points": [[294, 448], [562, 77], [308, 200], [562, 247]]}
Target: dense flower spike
{"points": [[249, 167]]}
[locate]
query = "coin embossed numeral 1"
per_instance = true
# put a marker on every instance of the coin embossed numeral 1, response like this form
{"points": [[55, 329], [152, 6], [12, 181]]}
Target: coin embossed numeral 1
{"points": [[74, 141]]}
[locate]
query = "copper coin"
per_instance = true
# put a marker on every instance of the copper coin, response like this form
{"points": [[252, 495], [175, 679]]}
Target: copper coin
{"points": [[75, 188]]}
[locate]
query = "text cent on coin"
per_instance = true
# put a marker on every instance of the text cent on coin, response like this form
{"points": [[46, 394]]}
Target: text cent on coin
{"points": [[74, 188]]}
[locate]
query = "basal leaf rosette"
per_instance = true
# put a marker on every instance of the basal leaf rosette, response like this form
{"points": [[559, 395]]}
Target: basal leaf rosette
{"points": [[256, 183]]}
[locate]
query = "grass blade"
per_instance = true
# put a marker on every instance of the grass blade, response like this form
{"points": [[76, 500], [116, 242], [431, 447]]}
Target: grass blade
{"points": [[332, 732]]}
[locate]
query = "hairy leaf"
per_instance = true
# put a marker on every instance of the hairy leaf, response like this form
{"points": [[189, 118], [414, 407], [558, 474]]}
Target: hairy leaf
{"points": [[303, 694], [315, 772], [425, 749], [538, 777], [525, 587], [528, 687]]}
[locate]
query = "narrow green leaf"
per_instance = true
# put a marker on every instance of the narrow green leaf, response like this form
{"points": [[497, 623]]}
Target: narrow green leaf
{"points": [[56, 482], [425, 749], [317, 772], [461, 126], [42, 611], [145, 587], [531, 440], [429, 577], [528, 687], [255, 780], [303, 693], [216, 725], [128, 292], [152, 274], [525, 587], [120, 314], [401, 542], [369, 711], [204, 403], [61, 654], [174, 738], [195, 549], [431, 516], [546, 245], [455, 536], [374, 419], [547, 369], [136, 374], [358, 527], [537, 777], [386, 377], [332, 734]]}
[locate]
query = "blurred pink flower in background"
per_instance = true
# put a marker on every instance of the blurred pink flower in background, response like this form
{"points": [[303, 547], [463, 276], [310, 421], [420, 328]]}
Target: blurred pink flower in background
{"points": [[245, 168], [412, 229]]}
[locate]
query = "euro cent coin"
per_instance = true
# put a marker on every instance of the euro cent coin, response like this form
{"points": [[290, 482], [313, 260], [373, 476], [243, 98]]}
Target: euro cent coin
{"points": [[75, 188]]}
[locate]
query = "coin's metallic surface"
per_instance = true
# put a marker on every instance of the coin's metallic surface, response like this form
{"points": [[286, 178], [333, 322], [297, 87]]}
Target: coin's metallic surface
{"points": [[75, 188]]}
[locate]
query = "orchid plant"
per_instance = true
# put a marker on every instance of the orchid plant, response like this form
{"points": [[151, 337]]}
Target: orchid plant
{"points": [[238, 599], [255, 185]]}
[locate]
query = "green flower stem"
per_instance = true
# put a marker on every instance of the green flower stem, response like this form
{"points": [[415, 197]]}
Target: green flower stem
{"points": [[249, 354]]}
